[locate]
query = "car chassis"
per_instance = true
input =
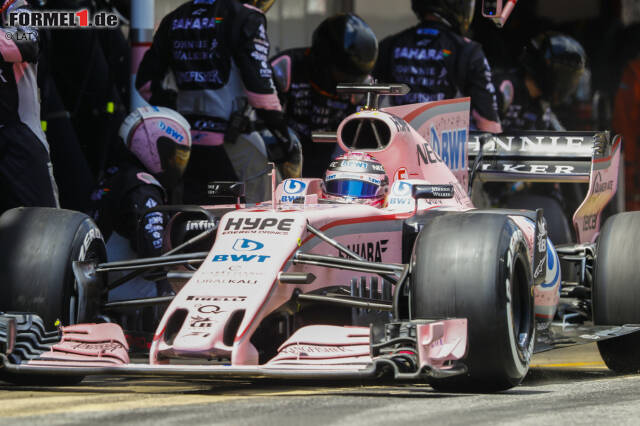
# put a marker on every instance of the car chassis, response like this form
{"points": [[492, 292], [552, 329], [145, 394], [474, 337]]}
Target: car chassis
{"points": [[216, 328]]}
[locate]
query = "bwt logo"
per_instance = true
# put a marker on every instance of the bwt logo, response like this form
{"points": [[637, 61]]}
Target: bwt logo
{"points": [[243, 244], [239, 258], [292, 199], [292, 186], [170, 131], [402, 189], [354, 164], [451, 147]]}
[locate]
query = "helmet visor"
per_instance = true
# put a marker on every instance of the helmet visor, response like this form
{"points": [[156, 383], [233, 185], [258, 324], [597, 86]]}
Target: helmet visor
{"points": [[352, 188]]}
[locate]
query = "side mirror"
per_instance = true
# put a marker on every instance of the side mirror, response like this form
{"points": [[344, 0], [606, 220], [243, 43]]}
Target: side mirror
{"points": [[324, 137], [491, 8], [498, 10], [373, 91], [431, 191], [226, 192]]}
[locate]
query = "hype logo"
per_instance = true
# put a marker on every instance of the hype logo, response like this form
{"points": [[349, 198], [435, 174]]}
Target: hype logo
{"points": [[293, 186], [243, 244]]}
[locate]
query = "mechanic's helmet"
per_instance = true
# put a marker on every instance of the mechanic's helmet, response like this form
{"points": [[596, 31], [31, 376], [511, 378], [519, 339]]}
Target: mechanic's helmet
{"points": [[458, 13], [161, 139], [346, 46], [555, 62], [263, 5], [356, 177]]}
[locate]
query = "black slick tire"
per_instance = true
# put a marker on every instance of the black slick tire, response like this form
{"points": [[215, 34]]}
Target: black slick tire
{"points": [[38, 247], [476, 266], [616, 289]]}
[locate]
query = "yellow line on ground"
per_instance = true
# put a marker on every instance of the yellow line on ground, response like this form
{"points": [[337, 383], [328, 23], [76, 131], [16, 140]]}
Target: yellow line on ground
{"points": [[115, 402], [21, 403], [570, 364]]}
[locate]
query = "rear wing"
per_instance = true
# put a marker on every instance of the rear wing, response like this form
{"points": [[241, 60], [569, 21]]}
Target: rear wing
{"points": [[588, 157], [536, 156]]}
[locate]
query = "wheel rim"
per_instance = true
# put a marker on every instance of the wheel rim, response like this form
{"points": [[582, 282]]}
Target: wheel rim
{"points": [[95, 252]]}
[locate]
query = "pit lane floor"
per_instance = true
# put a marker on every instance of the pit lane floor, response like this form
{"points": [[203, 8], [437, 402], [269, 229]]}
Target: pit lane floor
{"points": [[571, 386]]}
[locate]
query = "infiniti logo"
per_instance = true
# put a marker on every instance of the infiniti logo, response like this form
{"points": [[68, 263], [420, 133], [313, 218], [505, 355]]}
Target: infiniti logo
{"points": [[243, 244]]}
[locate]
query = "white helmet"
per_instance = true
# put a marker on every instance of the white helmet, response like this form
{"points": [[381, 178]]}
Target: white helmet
{"points": [[161, 139]]}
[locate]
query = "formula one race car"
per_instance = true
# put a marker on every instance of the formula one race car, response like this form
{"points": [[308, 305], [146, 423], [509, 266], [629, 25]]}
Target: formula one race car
{"points": [[424, 287]]}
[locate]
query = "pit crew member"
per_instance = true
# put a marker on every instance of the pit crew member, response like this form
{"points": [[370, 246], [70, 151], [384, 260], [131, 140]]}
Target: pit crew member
{"points": [[158, 146], [343, 50], [438, 62], [26, 177], [551, 65], [550, 69], [216, 52]]}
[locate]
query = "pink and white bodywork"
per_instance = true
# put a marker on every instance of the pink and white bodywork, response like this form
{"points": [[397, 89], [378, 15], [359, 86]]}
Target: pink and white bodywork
{"points": [[221, 307], [237, 286], [241, 285], [603, 184], [445, 125], [218, 311]]}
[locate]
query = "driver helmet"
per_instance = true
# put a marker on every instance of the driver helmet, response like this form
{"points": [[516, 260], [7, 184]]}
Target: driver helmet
{"points": [[356, 177], [160, 138], [457, 13], [344, 49], [556, 62]]}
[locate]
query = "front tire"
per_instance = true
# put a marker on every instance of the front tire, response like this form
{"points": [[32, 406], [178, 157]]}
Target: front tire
{"points": [[616, 289], [38, 247], [476, 266]]}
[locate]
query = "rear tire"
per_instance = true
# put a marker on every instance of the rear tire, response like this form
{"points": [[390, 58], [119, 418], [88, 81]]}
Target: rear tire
{"points": [[558, 227], [616, 289], [476, 266]]}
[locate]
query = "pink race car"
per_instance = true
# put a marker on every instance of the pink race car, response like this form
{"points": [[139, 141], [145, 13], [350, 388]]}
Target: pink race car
{"points": [[414, 284]]}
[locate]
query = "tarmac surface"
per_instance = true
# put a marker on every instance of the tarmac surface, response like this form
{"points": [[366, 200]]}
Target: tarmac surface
{"points": [[571, 386]]}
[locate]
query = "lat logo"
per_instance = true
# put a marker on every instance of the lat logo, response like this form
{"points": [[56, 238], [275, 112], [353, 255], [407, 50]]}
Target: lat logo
{"points": [[244, 244], [293, 186]]}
